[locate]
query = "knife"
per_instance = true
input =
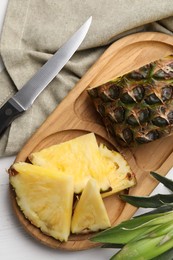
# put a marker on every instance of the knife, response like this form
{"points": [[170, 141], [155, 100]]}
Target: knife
{"points": [[25, 97]]}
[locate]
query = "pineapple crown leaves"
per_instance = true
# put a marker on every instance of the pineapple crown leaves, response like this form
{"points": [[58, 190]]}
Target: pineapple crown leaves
{"points": [[141, 236], [133, 229], [146, 236], [148, 202], [153, 201], [167, 255], [146, 248], [165, 181]]}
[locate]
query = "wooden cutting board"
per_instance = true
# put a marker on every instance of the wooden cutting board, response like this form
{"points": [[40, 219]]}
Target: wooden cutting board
{"points": [[76, 116]]}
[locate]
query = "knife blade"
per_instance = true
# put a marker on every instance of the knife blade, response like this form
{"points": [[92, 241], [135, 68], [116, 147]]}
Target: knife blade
{"points": [[25, 97]]}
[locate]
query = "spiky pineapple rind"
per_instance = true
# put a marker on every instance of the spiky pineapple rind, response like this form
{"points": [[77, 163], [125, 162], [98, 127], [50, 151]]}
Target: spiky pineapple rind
{"points": [[138, 106]]}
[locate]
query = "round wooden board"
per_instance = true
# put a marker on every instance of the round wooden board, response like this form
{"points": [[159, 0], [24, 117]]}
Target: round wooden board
{"points": [[76, 116]]}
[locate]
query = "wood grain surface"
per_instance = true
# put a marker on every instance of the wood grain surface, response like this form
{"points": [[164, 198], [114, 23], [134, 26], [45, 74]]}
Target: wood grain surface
{"points": [[76, 116]]}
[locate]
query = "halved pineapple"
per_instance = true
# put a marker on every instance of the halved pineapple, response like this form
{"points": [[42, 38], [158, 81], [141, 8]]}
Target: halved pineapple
{"points": [[45, 197], [137, 107], [84, 159], [90, 212]]}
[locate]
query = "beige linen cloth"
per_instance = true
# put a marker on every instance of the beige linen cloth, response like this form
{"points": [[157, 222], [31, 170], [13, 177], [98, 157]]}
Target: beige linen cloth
{"points": [[34, 29]]}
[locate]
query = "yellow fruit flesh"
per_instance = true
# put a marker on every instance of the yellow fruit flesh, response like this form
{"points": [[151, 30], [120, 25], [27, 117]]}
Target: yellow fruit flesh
{"points": [[79, 157], [90, 213], [45, 197], [123, 177], [45, 189]]}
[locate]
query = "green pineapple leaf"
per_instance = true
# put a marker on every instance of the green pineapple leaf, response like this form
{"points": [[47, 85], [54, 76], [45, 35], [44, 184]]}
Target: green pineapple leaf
{"points": [[162, 209], [165, 181], [144, 249], [148, 202], [132, 229], [166, 255], [152, 201]]}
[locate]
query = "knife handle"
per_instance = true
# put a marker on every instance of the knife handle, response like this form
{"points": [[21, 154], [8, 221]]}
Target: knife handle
{"points": [[8, 112]]}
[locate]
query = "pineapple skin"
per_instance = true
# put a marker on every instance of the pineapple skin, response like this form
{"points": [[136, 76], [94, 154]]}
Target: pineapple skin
{"points": [[137, 107]]}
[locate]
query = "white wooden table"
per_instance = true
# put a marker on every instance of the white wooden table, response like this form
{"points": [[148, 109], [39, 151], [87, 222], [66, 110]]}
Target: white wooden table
{"points": [[15, 243]]}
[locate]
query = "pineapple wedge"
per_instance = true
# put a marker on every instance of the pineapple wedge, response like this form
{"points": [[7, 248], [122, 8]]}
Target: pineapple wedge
{"points": [[45, 197], [90, 213], [123, 178], [82, 158], [45, 189], [79, 157]]}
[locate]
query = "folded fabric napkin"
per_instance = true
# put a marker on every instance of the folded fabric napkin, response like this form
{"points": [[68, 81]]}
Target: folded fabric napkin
{"points": [[34, 29]]}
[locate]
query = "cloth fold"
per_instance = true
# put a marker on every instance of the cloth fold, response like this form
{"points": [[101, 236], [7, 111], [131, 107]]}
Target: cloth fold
{"points": [[34, 29]]}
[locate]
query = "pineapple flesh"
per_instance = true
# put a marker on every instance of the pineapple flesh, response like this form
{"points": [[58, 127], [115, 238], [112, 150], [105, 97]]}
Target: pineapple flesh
{"points": [[137, 107], [45, 197], [90, 213], [46, 187], [82, 158], [123, 178], [79, 157]]}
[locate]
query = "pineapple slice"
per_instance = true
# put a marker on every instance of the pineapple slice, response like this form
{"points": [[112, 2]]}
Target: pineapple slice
{"points": [[123, 178], [90, 213], [83, 158], [45, 197], [79, 157]]}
